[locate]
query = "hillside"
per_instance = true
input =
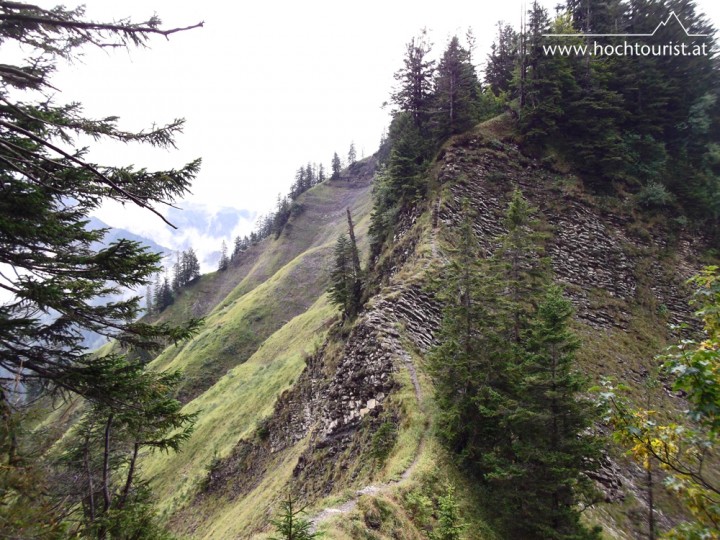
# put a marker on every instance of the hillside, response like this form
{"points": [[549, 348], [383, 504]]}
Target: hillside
{"points": [[504, 324], [343, 417]]}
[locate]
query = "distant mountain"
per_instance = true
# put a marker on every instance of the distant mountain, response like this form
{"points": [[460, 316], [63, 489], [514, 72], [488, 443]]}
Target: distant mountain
{"points": [[195, 225], [91, 339], [114, 234]]}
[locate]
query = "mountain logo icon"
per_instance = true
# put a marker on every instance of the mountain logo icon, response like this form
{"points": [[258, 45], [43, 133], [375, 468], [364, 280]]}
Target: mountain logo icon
{"points": [[661, 24]]}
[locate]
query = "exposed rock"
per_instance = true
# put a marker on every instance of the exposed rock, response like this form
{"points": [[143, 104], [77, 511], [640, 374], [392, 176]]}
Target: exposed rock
{"points": [[591, 251]]}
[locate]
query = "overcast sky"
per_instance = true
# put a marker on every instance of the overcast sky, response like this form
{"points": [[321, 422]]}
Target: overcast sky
{"points": [[264, 86]]}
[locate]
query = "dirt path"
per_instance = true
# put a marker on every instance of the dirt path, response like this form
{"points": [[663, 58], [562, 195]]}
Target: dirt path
{"points": [[376, 489]]}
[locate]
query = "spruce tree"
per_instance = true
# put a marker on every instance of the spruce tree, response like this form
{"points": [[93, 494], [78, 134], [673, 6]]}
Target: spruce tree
{"points": [[520, 262], [352, 154], [466, 365], [455, 91], [355, 278], [415, 90], [190, 266], [290, 524], [346, 277], [48, 192], [408, 159], [336, 167], [548, 82], [505, 387], [101, 455], [163, 294], [224, 261], [310, 175], [177, 279], [553, 446], [149, 308], [340, 277], [502, 59]]}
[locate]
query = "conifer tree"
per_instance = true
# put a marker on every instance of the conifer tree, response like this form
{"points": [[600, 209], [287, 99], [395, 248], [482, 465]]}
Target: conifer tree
{"points": [[407, 159], [102, 455], [455, 91], [415, 80], [352, 154], [336, 167], [291, 525], [310, 178], [49, 190], [190, 266], [355, 292], [520, 261], [548, 82], [466, 365], [149, 308], [177, 279], [224, 261], [340, 284], [504, 383], [450, 524], [238, 246], [163, 294], [502, 59], [552, 447]]}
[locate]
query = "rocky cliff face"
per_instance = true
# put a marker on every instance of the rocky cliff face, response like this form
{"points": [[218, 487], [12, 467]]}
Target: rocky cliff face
{"points": [[592, 249]]}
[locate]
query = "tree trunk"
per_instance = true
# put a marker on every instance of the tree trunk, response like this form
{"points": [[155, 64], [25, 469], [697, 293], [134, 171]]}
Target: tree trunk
{"points": [[106, 464], [131, 473], [91, 486], [651, 503]]}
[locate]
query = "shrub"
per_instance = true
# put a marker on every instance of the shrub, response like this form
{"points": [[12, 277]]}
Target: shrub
{"points": [[654, 194], [383, 441]]}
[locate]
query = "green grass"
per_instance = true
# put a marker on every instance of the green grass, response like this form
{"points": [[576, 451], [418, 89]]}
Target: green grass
{"points": [[230, 409], [234, 331], [250, 350], [277, 283]]}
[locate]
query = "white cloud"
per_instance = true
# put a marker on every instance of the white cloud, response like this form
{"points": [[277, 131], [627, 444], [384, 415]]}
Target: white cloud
{"points": [[265, 86]]}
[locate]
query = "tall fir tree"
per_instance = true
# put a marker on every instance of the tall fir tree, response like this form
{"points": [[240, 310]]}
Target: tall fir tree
{"points": [[466, 363], [501, 62], [356, 284], [456, 89], [554, 445], [340, 284], [336, 167], [414, 93], [102, 455], [49, 190], [224, 261], [346, 276], [505, 387], [520, 260]]}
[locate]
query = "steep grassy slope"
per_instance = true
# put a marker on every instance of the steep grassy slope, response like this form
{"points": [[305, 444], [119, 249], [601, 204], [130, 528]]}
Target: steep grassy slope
{"points": [[263, 315], [266, 286]]}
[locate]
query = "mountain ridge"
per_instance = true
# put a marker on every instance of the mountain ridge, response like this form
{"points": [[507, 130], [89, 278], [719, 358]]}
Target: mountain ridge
{"points": [[316, 434]]}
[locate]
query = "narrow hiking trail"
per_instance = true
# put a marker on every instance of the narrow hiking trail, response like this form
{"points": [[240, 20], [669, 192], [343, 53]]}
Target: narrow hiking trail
{"points": [[377, 489], [384, 487]]}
